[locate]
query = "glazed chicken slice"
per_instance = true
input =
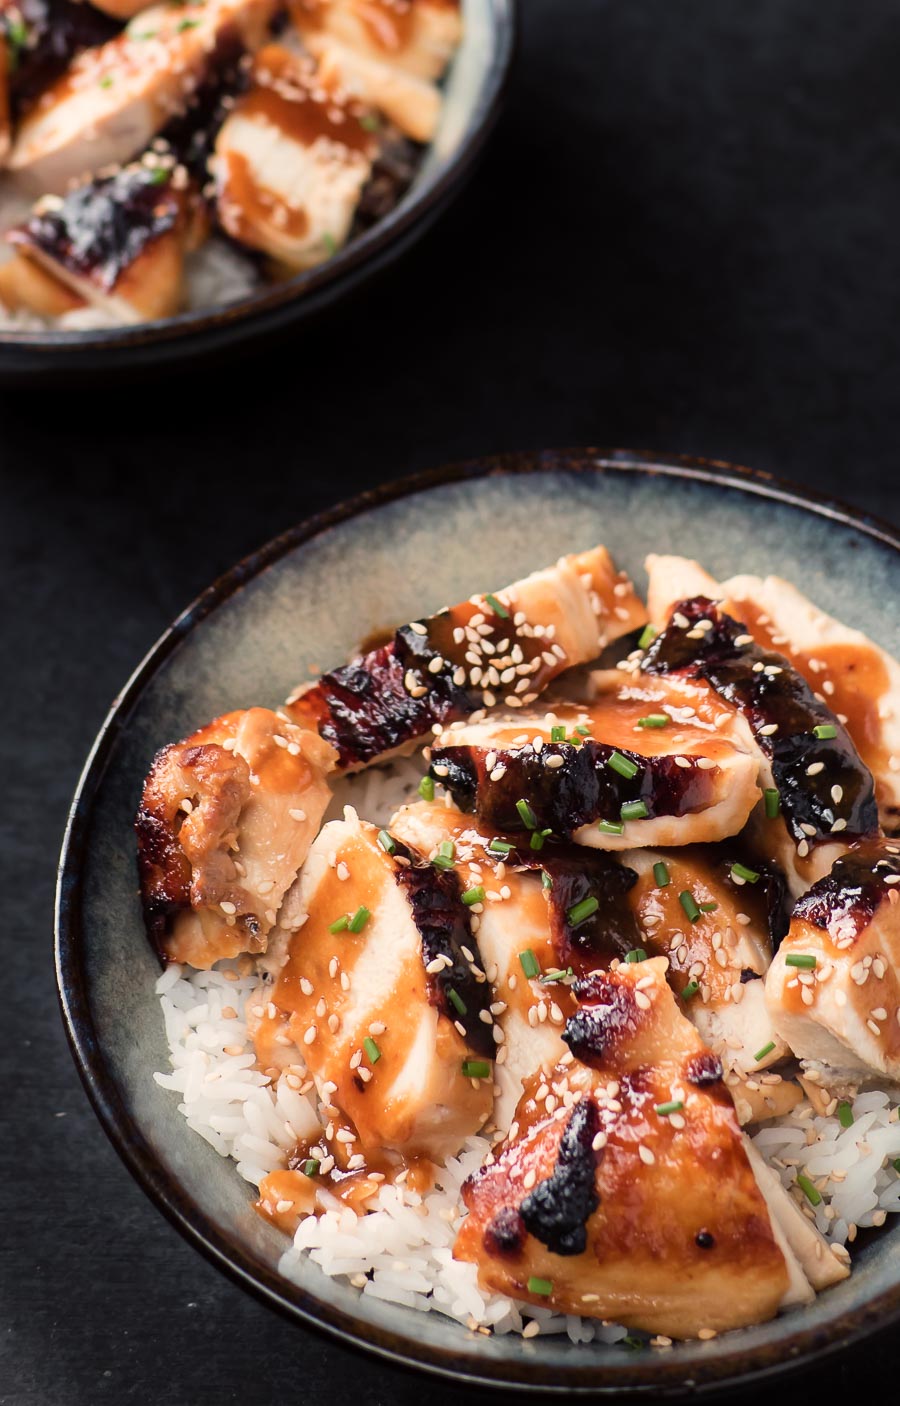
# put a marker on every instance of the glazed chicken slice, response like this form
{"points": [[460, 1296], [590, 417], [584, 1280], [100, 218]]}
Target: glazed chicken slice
{"points": [[624, 1190], [113, 100], [644, 763], [291, 161], [383, 997], [853, 675], [833, 989], [488, 650], [39, 38], [226, 820], [818, 795]]}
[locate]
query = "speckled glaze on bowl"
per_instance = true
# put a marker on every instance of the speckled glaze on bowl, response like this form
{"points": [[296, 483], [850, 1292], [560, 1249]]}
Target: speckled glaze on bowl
{"points": [[296, 604], [472, 93]]}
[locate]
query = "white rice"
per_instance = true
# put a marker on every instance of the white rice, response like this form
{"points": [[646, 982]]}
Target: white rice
{"points": [[398, 1253]]}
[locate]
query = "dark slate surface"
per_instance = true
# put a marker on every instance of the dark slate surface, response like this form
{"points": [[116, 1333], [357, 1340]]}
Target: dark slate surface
{"points": [[683, 237]]}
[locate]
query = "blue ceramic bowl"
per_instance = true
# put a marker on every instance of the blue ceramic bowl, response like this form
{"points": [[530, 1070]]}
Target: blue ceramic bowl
{"points": [[249, 639]]}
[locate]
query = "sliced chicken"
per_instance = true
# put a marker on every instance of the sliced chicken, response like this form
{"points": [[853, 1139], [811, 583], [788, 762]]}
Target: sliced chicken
{"points": [[503, 648], [833, 990], [26, 286], [40, 39], [383, 997], [226, 820], [624, 1190], [291, 161], [114, 99], [819, 796], [645, 763]]}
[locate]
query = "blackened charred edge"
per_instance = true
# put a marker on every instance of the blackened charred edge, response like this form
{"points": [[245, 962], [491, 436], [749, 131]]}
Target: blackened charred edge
{"points": [[748, 974], [608, 1014], [850, 895], [163, 868], [782, 698], [444, 925], [556, 1212], [505, 1234], [56, 31], [612, 930], [564, 798], [703, 1070]]}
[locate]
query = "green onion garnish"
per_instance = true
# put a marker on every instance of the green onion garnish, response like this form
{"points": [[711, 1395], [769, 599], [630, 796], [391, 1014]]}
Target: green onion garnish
{"points": [[538, 837], [648, 635], [773, 802], [806, 960], [371, 1049], [546, 880], [740, 871], [634, 810], [558, 734], [330, 243], [369, 122], [359, 919], [558, 975], [444, 857], [845, 1114], [475, 895], [106, 81], [496, 607], [579, 911], [896, 1164], [526, 815], [426, 788], [664, 1109], [637, 954], [386, 841], [529, 963], [609, 827], [690, 990], [766, 1050], [457, 1001], [500, 846], [476, 1069], [689, 904], [654, 720], [661, 874], [186, 24], [633, 1344], [623, 765], [340, 924], [809, 1191], [825, 731], [540, 1286], [310, 1166], [582, 730], [708, 907], [159, 176]]}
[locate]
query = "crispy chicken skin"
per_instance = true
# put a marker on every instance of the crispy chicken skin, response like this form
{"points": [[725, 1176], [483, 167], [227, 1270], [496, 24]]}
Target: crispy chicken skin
{"points": [[225, 822], [833, 990], [599, 1204], [503, 648]]}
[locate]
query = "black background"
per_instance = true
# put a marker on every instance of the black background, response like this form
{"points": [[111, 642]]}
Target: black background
{"points": [[684, 237]]}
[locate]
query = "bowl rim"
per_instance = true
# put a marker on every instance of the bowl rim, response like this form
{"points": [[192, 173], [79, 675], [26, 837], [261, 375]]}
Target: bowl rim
{"points": [[666, 1374], [312, 288]]}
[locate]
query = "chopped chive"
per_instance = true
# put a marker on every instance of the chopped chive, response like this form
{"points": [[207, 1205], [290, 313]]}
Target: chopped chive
{"points": [[610, 827], [766, 1050], [426, 788], [825, 731], [159, 176], [648, 635], [558, 975], [496, 607], [17, 33], [582, 730], [359, 919], [529, 963], [475, 895], [690, 990], [633, 1344], [106, 81], [896, 1164], [634, 810], [708, 907], [340, 924], [689, 904], [476, 1069], [546, 880], [661, 875], [664, 1109], [500, 846], [457, 1001], [623, 765], [773, 802], [538, 837], [444, 857], [809, 1191], [310, 1166], [637, 954], [845, 1114], [558, 734], [371, 1050], [386, 840], [654, 720], [369, 122], [540, 1286], [330, 243], [740, 871], [186, 24], [806, 960], [526, 815], [579, 911]]}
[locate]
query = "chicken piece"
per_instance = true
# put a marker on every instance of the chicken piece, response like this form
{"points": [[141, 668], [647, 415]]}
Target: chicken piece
{"points": [[600, 776], [833, 990], [624, 1190], [114, 99], [523, 637], [117, 243], [41, 37], [291, 161], [25, 286], [859, 681], [819, 795], [226, 820], [382, 1002], [710, 915], [412, 104]]}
